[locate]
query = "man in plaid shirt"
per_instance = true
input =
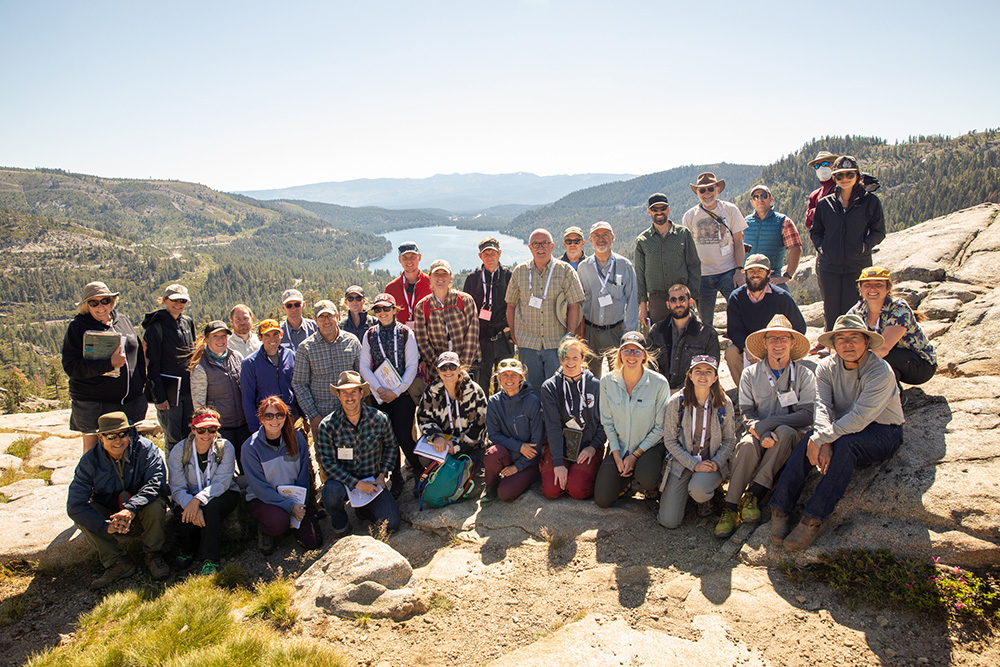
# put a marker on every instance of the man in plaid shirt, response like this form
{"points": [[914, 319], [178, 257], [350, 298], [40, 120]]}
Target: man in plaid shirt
{"points": [[356, 450], [772, 233], [446, 320], [319, 359]]}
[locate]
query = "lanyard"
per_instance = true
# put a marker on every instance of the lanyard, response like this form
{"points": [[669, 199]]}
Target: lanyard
{"points": [[410, 302], [395, 347], [444, 322], [451, 423], [791, 382], [531, 269], [567, 393], [611, 271], [719, 220], [488, 293], [704, 425], [202, 481]]}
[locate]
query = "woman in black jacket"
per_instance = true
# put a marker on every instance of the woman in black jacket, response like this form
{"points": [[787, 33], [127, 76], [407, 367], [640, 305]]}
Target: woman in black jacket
{"points": [[110, 384], [847, 225]]}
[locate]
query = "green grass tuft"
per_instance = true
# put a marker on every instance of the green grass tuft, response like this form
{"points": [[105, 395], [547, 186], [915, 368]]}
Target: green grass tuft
{"points": [[440, 603], [272, 603]]}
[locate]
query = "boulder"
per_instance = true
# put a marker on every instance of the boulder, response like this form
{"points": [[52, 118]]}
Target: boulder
{"points": [[358, 575], [805, 285], [8, 462], [912, 291], [982, 362], [976, 328], [953, 290], [940, 308], [34, 525], [813, 314]]}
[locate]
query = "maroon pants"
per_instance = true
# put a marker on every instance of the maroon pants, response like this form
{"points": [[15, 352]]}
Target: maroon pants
{"points": [[512, 486], [274, 521], [579, 480]]}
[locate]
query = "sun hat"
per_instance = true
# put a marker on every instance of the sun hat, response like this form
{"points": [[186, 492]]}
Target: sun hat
{"points": [[112, 422], [348, 380], [707, 179], [755, 341], [850, 323], [823, 156], [874, 273], [96, 290]]}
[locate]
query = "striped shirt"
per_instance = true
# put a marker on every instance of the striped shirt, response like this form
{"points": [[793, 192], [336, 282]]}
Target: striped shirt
{"points": [[318, 364]]}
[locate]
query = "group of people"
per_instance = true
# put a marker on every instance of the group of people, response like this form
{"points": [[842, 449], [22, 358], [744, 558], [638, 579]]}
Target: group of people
{"points": [[508, 370]]}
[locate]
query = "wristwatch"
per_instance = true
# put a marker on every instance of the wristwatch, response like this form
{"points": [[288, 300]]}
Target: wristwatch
{"points": [[786, 275]]}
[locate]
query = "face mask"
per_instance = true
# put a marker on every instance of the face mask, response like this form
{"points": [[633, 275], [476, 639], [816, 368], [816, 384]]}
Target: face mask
{"points": [[824, 174]]}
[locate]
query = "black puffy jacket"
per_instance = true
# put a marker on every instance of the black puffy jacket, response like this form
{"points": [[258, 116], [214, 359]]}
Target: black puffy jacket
{"points": [[844, 238]]}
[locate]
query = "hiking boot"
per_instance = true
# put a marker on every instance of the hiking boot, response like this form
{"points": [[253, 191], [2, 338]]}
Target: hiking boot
{"points": [[728, 523], [804, 534], [489, 493], [265, 543], [779, 526], [705, 508], [158, 567], [749, 511], [183, 561], [209, 567], [338, 533], [120, 569]]}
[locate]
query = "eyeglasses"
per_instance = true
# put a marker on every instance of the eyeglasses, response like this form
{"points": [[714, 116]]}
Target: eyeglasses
{"points": [[762, 195], [206, 429], [447, 368], [293, 304], [354, 297], [94, 303], [541, 244], [383, 309], [271, 416], [778, 339], [632, 352], [702, 191], [114, 436], [845, 175], [573, 241], [658, 208], [678, 299], [601, 237], [179, 300], [824, 163]]}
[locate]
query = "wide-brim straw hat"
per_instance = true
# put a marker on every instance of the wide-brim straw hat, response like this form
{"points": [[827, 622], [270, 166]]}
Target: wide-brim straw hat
{"points": [[851, 323], [707, 179], [779, 323], [349, 380]]}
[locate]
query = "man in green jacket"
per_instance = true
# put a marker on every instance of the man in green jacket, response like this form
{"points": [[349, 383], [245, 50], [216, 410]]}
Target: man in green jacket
{"points": [[665, 254]]}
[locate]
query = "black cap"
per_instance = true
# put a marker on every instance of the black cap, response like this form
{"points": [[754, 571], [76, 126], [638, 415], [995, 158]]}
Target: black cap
{"points": [[409, 246], [216, 325], [657, 198]]}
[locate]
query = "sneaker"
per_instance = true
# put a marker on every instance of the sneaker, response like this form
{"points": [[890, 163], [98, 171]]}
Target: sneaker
{"points": [[209, 567], [158, 567], [265, 543], [817, 349], [346, 530], [183, 561], [728, 523], [120, 569], [749, 511], [705, 508], [490, 493]]}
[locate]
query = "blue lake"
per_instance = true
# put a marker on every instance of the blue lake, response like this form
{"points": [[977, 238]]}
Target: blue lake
{"points": [[459, 246]]}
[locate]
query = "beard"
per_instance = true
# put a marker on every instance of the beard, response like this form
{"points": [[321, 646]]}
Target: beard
{"points": [[680, 313], [756, 284]]}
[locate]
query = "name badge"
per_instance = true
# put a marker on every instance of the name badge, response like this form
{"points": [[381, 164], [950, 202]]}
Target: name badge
{"points": [[345, 453], [727, 249], [787, 399], [535, 302], [485, 314], [604, 301], [618, 279]]}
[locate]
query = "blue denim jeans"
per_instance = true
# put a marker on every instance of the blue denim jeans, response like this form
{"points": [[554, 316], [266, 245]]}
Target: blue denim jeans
{"points": [[382, 508], [710, 288], [539, 365], [874, 443]]}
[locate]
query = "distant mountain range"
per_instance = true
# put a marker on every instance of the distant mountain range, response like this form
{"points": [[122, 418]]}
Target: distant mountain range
{"points": [[457, 193]]}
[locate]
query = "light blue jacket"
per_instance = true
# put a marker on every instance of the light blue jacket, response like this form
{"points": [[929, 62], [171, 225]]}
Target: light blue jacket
{"points": [[633, 422]]}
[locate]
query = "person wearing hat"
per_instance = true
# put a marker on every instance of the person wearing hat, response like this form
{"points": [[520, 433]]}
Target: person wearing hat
{"points": [[575, 439], [675, 340], [776, 400], [356, 321], [296, 328], [411, 286], [699, 432], [664, 255], [451, 415], [200, 472], [487, 285], [633, 398], [822, 164], [390, 345], [122, 479], [243, 340], [516, 434], [169, 337], [215, 381], [573, 242], [115, 382], [535, 290], [858, 420], [267, 372], [751, 306], [446, 319], [847, 226], [319, 361], [356, 450], [717, 227], [906, 347], [772, 233], [610, 304]]}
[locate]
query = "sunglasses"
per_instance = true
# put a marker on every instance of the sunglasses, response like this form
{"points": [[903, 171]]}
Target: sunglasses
{"points": [[702, 191], [824, 163], [632, 352], [383, 309], [845, 175], [762, 195], [114, 436], [677, 299], [179, 300], [354, 297], [573, 241], [658, 208], [293, 304], [206, 429], [271, 416], [94, 303], [447, 368]]}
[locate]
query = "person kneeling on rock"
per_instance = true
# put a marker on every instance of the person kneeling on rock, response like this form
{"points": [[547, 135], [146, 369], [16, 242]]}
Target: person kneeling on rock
{"points": [[121, 479], [858, 421], [515, 428]]}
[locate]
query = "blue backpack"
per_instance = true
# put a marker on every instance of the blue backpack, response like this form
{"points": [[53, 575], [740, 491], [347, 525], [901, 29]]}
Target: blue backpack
{"points": [[448, 482]]}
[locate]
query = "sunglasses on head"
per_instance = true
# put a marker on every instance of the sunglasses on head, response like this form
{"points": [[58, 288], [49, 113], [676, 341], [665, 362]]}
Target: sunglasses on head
{"points": [[845, 175], [206, 429], [94, 303], [702, 191], [114, 436], [354, 297], [271, 416], [824, 163], [293, 304], [762, 195], [382, 309], [508, 364], [447, 368]]}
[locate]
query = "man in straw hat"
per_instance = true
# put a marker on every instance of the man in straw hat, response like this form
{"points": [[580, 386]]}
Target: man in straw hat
{"points": [[858, 421], [356, 449], [717, 227], [776, 398], [123, 478]]}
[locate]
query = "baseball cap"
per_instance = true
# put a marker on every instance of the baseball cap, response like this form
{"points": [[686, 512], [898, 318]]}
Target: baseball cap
{"points": [[291, 295]]}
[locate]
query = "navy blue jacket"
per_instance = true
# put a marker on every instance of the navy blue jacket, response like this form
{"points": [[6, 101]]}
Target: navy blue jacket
{"points": [[743, 317], [512, 421], [260, 379], [555, 415]]}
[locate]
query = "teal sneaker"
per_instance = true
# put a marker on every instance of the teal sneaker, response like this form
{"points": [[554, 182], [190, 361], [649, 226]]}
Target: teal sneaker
{"points": [[209, 567]]}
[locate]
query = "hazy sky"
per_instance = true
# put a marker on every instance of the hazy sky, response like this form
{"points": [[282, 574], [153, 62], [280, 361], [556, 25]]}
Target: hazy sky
{"points": [[248, 95]]}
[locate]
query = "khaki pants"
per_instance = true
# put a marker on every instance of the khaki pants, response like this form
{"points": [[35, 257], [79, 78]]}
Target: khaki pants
{"points": [[754, 463], [603, 342], [152, 517]]}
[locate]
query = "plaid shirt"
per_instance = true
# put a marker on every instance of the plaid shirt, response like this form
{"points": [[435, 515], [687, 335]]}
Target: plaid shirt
{"points": [[371, 441], [318, 364], [539, 328], [789, 235], [441, 327]]}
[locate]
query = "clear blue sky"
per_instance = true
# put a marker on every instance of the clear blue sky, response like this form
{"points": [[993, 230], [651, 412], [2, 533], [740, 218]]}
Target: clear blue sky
{"points": [[248, 95]]}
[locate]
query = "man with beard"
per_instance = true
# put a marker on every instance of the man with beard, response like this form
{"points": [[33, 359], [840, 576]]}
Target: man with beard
{"points": [[751, 308], [610, 307], [664, 255], [772, 233], [676, 339], [243, 339]]}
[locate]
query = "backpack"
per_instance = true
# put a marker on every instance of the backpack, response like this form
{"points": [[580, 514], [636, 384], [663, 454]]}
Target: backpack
{"points": [[427, 311], [447, 482]]}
